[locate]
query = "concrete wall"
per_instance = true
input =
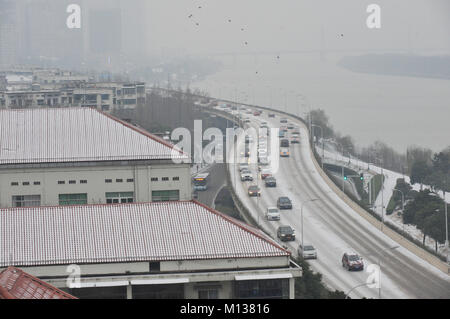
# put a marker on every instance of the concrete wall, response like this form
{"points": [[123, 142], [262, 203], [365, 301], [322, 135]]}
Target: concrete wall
{"points": [[49, 189]]}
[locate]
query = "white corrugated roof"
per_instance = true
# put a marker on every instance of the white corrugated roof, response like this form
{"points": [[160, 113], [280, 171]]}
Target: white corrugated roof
{"points": [[74, 135], [125, 233]]}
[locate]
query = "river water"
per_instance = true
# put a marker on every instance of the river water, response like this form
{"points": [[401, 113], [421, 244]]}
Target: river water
{"points": [[399, 111]]}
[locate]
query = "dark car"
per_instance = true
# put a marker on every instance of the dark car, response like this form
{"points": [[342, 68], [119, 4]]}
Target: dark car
{"points": [[284, 203], [284, 142], [254, 191], [271, 181], [271, 115], [352, 261], [286, 233]]}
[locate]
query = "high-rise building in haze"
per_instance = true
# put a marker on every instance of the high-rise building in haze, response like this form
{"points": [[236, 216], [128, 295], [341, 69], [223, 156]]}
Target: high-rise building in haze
{"points": [[34, 32], [8, 32]]}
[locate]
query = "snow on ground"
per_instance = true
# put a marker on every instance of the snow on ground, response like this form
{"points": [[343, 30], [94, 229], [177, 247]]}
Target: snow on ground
{"points": [[383, 198]]}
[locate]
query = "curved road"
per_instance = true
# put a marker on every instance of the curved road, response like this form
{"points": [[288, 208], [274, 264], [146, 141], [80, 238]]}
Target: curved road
{"points": [[333, 228]]}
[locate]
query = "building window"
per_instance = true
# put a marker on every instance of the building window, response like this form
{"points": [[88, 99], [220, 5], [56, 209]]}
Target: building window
{"points": [[120, 197], [72, 182], [119, 180], [72, 199], [165, 179], [61, 182], [26, 200], [37, 183], [176, 178], [108, 180], [14, 184], [208, 294], [154, 179], [262, 289], [130, 180], [164, 196], [155, 266], [83, 181]]}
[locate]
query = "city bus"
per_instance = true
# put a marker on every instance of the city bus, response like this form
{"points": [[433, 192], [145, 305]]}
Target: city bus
{"points": [[201, 182]]}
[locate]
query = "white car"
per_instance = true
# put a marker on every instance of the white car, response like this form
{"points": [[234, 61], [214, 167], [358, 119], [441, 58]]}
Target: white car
{"points": [[307, 251], [284, 152], [273, 213], [246, 176]]}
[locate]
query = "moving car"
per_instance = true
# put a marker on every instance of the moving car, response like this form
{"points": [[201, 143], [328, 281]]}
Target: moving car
{"points": [[286, 233], [271, 181], [254, 191], [265, 173], [272, 213], [284, 142], [284, 203], [307, 251], [352, 261], [246, 175], [295, 139], [283, 120], [271, 115], [284, 152]]}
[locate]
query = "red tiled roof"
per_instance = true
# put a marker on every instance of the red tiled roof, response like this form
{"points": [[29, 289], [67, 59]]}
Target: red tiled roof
{"points": [[17, 284]]}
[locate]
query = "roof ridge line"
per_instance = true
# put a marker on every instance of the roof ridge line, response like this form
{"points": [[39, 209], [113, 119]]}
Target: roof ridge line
{"points": [[141, 131], [235, 222]]}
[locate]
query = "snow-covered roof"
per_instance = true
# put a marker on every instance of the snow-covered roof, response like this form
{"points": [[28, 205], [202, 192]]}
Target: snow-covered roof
{"points": [[53, 135], [184, 230]]}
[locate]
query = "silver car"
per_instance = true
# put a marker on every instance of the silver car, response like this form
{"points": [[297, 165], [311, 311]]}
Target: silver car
{"points": [[307, 251]]}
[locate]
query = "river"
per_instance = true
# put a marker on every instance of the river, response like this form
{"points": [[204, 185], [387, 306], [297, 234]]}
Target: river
{"points": [[399, 111]]}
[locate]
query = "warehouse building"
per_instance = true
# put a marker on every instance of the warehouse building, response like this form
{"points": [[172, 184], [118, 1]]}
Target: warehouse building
{"points": [[177, 249], [77, 156]]}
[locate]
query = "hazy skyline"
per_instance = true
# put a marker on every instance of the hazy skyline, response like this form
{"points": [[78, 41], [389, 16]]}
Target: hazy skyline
{"points": [[292, 25]]}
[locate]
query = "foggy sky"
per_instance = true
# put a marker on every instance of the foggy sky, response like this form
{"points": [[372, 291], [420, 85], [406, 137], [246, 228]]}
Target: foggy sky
{"points": [[290, 25]]}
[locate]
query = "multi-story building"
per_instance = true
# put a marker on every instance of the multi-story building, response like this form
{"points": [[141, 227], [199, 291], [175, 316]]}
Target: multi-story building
{"points": [[69, 90], [146, 250], [62, 156]]}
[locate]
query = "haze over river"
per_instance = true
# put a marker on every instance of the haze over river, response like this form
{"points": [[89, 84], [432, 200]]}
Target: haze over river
{"points": [[398, 110]]}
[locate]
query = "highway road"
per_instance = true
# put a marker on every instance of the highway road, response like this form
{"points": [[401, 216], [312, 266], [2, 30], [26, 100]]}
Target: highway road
{"points": [[333, 228], [218, 178]]}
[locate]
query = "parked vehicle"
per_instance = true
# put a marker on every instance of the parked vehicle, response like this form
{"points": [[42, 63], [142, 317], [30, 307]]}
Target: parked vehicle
{"points": [[307, 251], [286, 233], [272, 213], [352, 261], [271, 115], [283, 120]]}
